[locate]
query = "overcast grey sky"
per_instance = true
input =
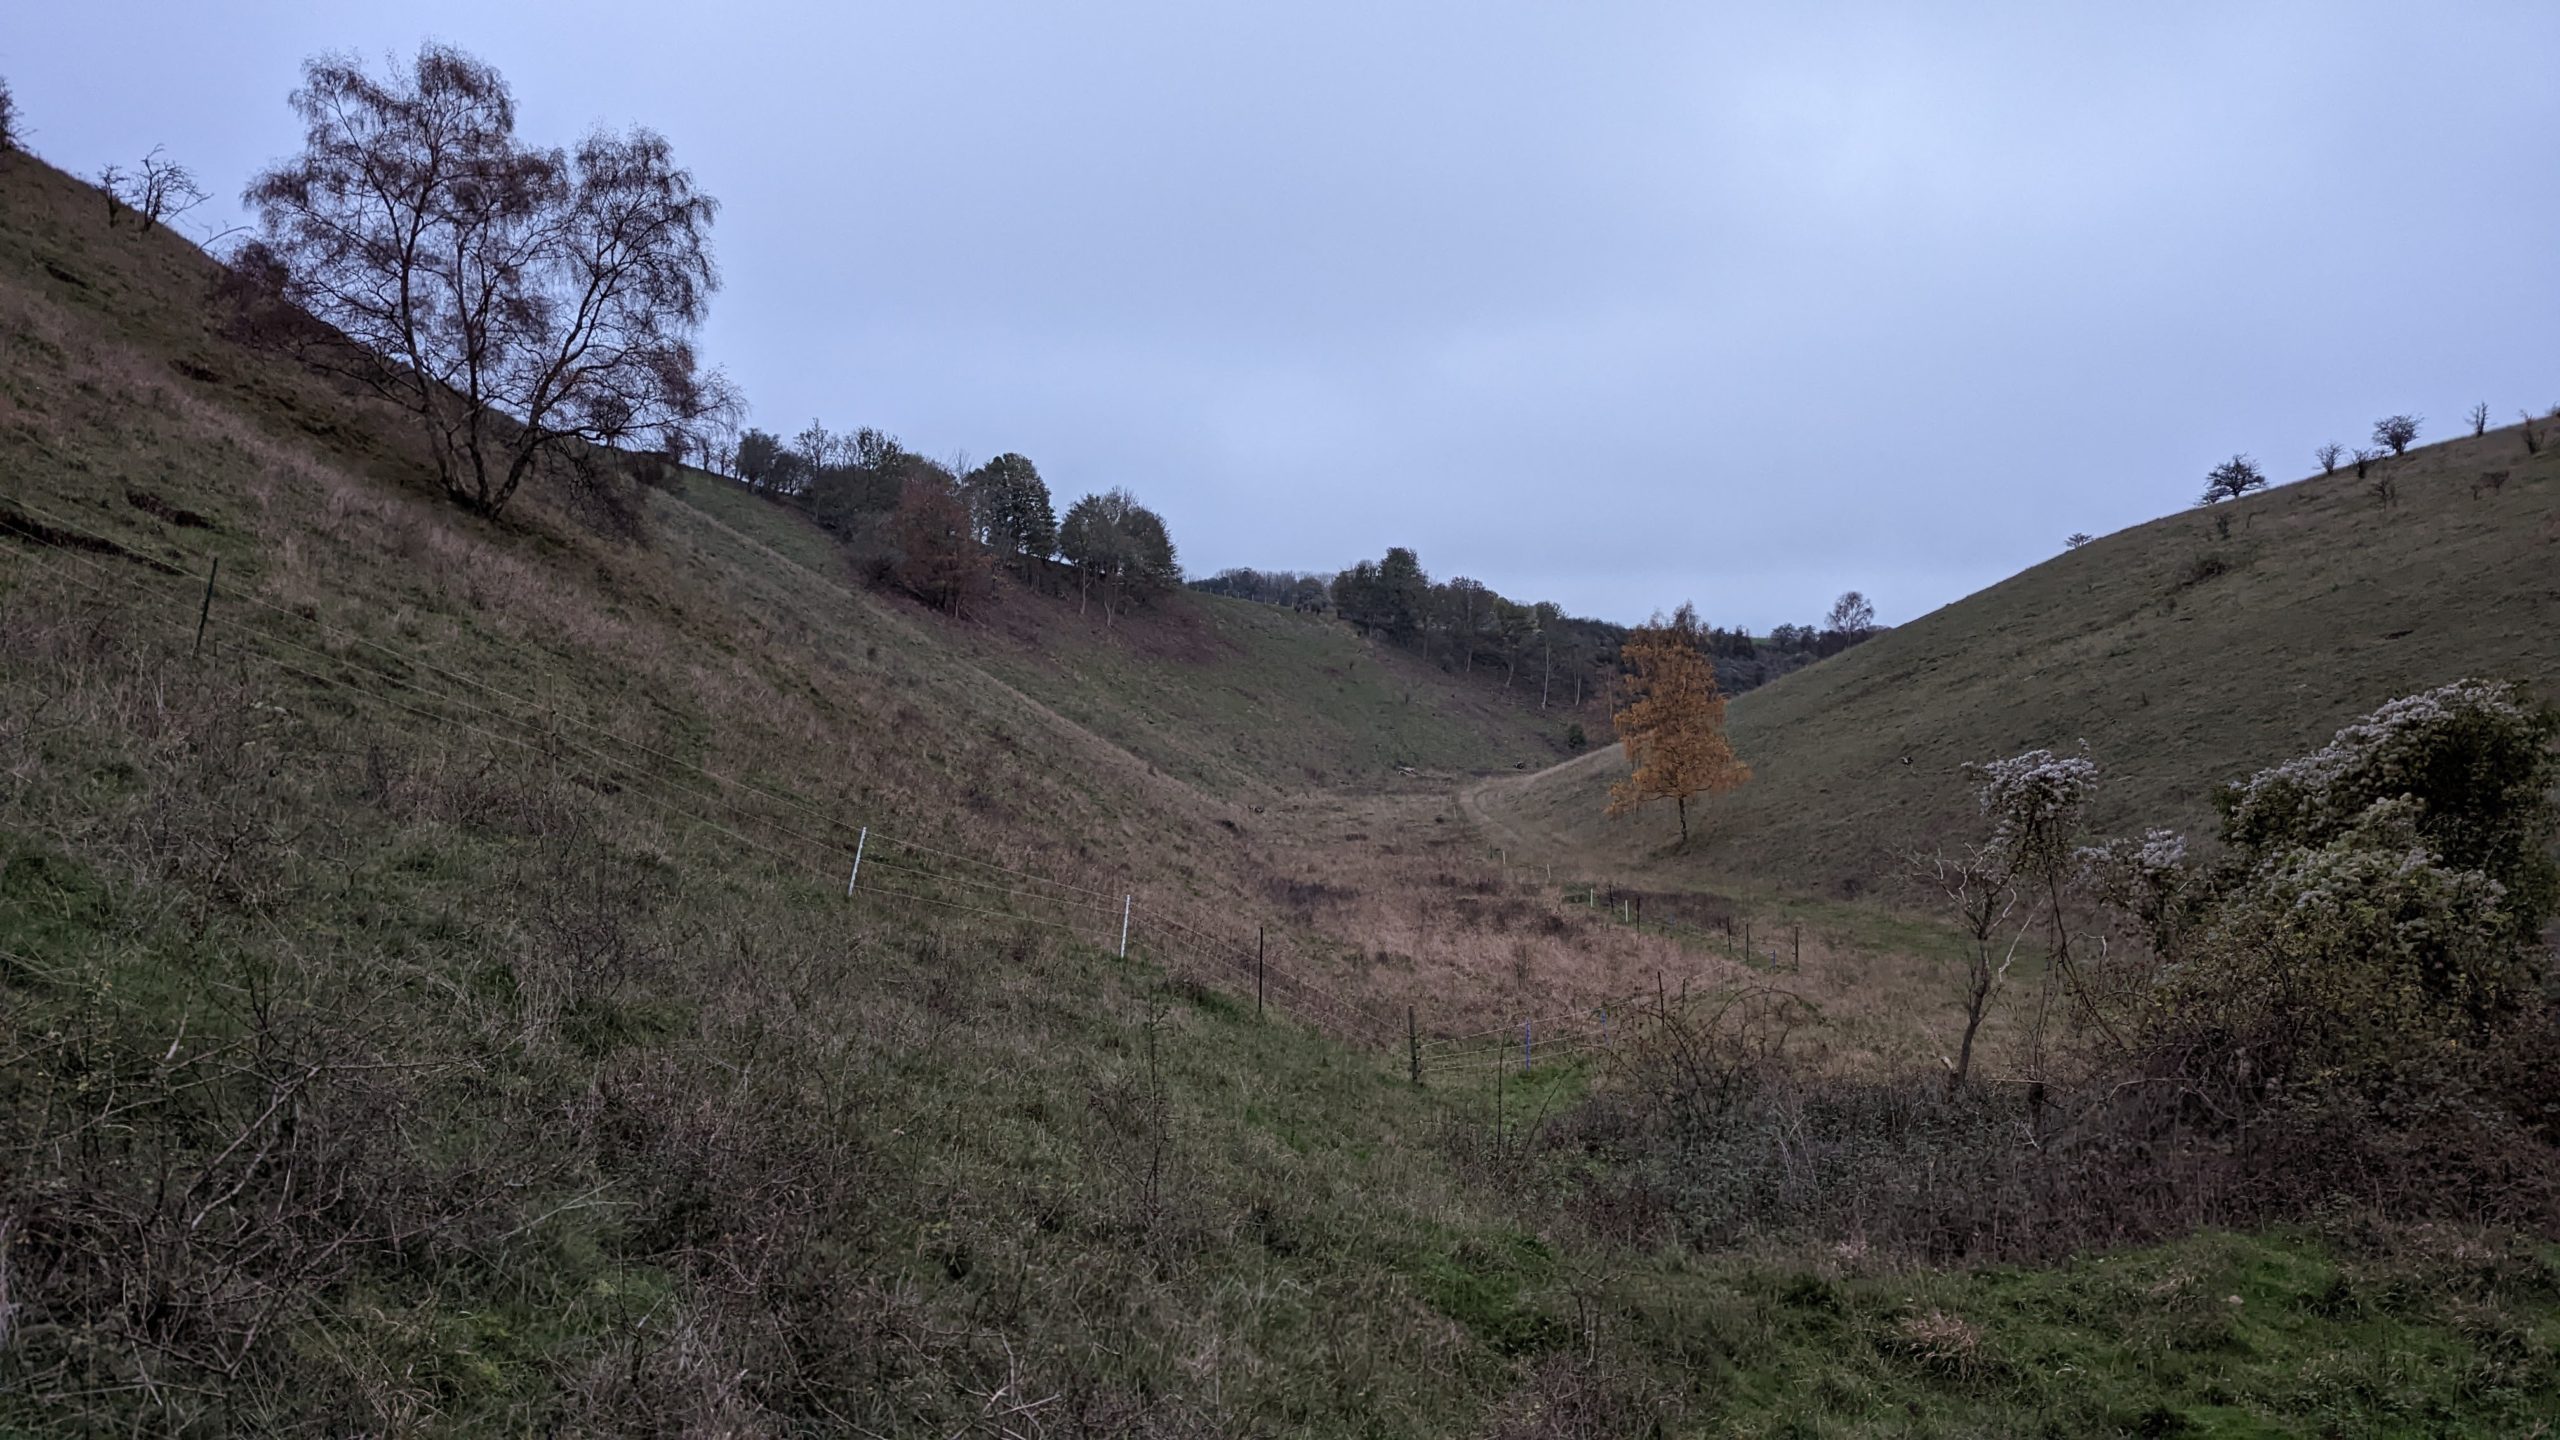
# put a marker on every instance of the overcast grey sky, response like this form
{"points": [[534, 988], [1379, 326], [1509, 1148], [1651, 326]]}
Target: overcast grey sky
{"points": [[1616, 305]]}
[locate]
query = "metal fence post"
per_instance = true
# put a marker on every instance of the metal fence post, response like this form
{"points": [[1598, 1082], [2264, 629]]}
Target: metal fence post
{"points": [[859, 840], [1126, 902]]}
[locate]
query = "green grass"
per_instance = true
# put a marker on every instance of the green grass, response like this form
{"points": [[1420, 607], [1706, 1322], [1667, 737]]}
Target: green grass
{"points": [[2276, 1335], [403, 1058], [1244, 698], [2329, 606]]}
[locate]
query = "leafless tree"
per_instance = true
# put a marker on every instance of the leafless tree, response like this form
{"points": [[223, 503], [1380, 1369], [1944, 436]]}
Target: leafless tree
{"points": [[2329, 455], [161, 191], [11, 135], [523, 303], [2396, 432], [2532, 440], [2479, 418], [111, 184], [2232, 479], [1982, 883], [2385, 489], [2365, 459], [716, 432], [1851, 615], [2076, 539]]}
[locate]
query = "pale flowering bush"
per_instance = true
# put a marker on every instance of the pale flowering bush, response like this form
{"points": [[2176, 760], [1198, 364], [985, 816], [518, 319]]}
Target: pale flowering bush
{"points": [[2352, 957], [2147, 880], [2378, 915], [2475, 760], [2034, 802]]}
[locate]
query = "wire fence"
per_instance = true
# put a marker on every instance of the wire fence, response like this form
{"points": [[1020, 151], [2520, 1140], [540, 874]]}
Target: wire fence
{"points": [[802, 835], [1777, 949], [874, 864]]}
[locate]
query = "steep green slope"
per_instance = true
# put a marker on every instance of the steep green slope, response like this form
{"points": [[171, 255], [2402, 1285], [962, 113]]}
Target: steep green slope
{"points": [[484, 883], [2180, 654], [1238, 698], [433, 1007]]}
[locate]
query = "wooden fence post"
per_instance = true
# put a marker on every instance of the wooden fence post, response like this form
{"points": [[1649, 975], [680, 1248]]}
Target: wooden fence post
{"points": [[1257, 972], [205, 611], [1413, 1046]]}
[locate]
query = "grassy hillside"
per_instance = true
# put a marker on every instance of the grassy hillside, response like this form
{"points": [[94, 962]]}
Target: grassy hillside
{"points": [[2181, 655], [432, 1007], [1238, 698], [568, 1088]]}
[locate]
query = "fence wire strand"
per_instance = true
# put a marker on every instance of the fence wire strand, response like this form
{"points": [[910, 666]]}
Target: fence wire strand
{"points": [[1313, 1003]]}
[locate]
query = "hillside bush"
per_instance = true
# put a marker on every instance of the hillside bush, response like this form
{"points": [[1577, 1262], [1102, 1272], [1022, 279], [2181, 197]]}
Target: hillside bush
{"points": [[2361, 976], [2349, 999], [2382, 902], [2232, 479], [2205, 565]]}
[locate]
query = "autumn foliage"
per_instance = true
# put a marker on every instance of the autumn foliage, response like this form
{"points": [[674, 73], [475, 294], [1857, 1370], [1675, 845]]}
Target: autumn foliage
{"points": [[938, 559], [1673, 723]]}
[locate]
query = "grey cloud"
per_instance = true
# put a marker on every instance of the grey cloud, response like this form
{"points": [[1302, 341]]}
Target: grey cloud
{"points": [[1614, 305]]}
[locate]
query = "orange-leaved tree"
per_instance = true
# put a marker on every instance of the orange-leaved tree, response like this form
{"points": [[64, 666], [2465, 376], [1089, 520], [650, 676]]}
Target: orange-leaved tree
{"points": [[1673, 724]]}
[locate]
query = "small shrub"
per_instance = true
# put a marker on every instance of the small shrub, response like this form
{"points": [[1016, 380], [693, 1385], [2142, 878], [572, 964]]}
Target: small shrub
{"points": [[2489, 483], [1574, 739], [1939, 1343], [246, 298], [2232, 479], [2205, 565], [2396, 433], [2329, 455], [1566, 1398], [2478, 415]]}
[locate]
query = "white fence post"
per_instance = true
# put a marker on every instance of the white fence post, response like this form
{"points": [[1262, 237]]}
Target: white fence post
{"points": [[859, 841], [1125, 902]]}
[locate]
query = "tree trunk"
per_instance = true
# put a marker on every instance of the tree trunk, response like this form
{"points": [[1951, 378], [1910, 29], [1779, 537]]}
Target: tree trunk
{"points": [[1972, 1023], [1682, 803]]}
